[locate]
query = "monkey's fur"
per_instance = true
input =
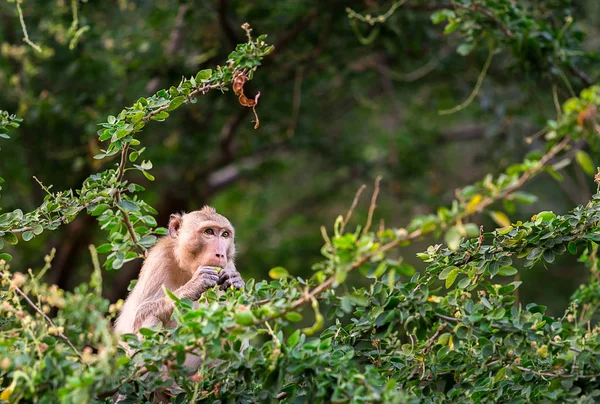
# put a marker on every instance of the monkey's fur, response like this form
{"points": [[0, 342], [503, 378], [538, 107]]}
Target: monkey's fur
{"points": [[183, 262]]}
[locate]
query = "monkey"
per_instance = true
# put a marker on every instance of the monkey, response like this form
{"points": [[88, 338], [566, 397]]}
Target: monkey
{"points": [[184, 262]]}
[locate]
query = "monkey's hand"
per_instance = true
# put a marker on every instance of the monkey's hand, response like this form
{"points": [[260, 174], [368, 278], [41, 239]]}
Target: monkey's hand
{"points": [[230, 277], [203, 279]]}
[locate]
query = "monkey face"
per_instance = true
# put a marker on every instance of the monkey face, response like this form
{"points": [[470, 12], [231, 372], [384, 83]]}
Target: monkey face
{"points": [[204, 238]]}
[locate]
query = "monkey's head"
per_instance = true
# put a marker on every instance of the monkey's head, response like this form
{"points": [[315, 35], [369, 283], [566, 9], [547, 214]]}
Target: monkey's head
{"points": [[202, 237]]}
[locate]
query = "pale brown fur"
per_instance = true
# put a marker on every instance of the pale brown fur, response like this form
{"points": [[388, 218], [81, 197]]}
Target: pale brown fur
{"points": [[183, 263]]}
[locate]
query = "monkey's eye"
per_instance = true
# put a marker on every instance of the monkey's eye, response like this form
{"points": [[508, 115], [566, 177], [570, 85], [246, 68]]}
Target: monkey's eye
{"points": [[225, 234], [209, 231]]}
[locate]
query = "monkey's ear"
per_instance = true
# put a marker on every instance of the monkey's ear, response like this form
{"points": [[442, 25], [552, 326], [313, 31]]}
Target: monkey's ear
{"points": [[174, 225]]}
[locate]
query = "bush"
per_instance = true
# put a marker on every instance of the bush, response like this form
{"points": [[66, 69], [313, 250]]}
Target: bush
{"points": [[454, 331]]}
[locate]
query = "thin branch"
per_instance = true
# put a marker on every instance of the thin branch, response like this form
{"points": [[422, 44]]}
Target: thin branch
{"points": [[477, 87], [122, 163], [559, 375], [24, 27], [524, 178], [48, 320], [448, 318], [126, 219], [377, 19], [581, 75], [353, 206], [433, 338], [373, 205]]}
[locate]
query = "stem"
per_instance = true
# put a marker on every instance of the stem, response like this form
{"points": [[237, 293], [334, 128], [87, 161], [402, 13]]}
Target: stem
{"points": [[48, 319], [24, 27]]}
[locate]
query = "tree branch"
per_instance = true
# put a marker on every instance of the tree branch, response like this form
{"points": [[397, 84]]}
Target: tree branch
{"points": [[48, 320]]}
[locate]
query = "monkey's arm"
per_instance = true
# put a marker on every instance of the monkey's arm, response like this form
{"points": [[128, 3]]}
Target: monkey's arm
{"points": [[159, 311]]}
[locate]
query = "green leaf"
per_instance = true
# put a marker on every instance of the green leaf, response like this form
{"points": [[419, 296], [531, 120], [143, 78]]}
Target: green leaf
{"points": [[161, 116], [293, 316], [203, 75], [278, 273], [572, 247], [293, 339], [128, 206], [585, 162], [500, 218], [507, 271], [148, 175], [451, 27], [444, 274], [176, 102], [524, 197], [452, 238], [6, 257], [147, 241], [451, 278], [100, 209], [133, 156], [464, 49], [28, 235], [549, 256], [244, 317], [10, 238], [441, 16], [500, 375], [104, 248], [37, 230], [171, 295], [463, 283]]}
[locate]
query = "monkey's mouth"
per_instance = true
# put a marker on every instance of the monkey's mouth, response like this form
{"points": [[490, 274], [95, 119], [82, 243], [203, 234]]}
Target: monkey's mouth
{"points": [[221, 263]]}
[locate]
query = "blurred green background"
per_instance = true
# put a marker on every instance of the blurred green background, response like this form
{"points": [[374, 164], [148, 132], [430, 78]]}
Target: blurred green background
{"points": [[334, 113]]}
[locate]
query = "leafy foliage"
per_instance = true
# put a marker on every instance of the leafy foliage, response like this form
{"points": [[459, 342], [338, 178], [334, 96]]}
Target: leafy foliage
{"points": [[453, 331]]}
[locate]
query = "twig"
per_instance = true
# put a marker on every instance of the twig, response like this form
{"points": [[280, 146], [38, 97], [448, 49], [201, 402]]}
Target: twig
{"points": [[121, 169], [560, 375], [378, 19], [24, 27], [373, 205], [126, 219], [353, 206], [581, 75], [448, 318], [477, 87], [433, 338], [48, 320], [524, 178]]}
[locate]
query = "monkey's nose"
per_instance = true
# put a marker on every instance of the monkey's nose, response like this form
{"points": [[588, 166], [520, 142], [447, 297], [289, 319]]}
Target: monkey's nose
{"points": [[220, 256]]}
